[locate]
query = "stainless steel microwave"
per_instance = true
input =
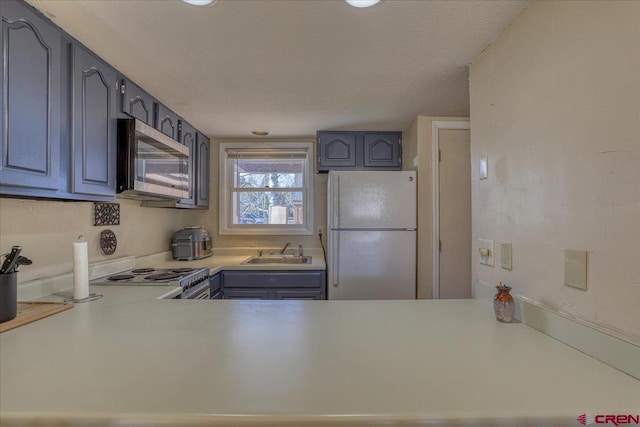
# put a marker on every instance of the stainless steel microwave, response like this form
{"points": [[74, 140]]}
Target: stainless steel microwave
{"points": [[151, 165]]}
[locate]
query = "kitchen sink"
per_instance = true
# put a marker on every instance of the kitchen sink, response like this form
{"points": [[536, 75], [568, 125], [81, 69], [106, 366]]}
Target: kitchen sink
{"points": [[284, 259]]}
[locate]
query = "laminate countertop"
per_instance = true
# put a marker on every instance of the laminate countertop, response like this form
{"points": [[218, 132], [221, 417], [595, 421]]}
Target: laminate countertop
{"points": [[138, 360]]}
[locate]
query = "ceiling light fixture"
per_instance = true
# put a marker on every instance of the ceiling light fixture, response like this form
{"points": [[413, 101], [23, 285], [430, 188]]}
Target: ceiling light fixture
{"points": [[362, 3], [260, 132], [201, 2]]}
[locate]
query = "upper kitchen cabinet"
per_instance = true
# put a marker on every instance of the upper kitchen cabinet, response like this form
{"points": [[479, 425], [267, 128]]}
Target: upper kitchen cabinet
{"points": [[188, 138], [167, 122], [137, 103], [382, 150], [351, 150], [203, 171], [336, 150], [31, 103], [93, 124]]}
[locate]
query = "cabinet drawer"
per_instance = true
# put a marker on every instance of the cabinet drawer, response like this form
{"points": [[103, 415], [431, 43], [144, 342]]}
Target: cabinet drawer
{"points": [[246, 294], [280, 279], [299, 294]]}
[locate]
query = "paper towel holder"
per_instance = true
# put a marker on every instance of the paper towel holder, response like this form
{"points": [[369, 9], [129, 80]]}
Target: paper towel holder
{"points": [[91, 297]]}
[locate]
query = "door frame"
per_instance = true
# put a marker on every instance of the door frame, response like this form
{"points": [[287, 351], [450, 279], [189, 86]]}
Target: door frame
{"points": [[436, 126]]}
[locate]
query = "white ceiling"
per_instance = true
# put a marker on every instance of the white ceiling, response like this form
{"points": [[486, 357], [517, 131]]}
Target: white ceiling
{"points": [[292, 66]]}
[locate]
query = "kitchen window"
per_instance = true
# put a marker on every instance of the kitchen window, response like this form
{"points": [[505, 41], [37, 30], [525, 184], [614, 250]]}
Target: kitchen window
{"points": [[266, 188]]}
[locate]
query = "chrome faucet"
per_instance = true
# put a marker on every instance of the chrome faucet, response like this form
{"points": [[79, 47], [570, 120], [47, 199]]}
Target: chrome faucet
{"points": [[300, 251], [285, 248]]}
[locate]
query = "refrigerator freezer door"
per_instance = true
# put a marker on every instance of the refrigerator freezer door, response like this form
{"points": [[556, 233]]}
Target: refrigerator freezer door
{"points": [[372, 200], [372, 265]]}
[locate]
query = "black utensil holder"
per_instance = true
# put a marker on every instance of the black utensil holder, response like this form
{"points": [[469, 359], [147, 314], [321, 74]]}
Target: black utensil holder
{"points": [[8, 296]]}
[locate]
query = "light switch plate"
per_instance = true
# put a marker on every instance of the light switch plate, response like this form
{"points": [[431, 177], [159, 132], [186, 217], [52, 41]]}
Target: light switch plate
{"points": [[575, 268], [506, 259], [489, 258], [484, 166]]}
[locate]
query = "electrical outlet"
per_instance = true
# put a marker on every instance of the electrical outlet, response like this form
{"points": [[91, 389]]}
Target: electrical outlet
{"points": [[506, 256], [320, 231]]}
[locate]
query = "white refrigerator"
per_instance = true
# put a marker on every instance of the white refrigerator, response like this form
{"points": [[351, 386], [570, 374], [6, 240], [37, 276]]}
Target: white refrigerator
{"points": [[371, 235]]}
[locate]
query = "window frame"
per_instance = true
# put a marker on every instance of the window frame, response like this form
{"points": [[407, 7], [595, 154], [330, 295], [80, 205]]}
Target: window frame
{"points": [[225, 206]]}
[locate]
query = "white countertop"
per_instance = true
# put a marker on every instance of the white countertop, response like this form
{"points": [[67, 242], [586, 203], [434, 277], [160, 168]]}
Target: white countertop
{"points": [[233, 259], [131, 356]]}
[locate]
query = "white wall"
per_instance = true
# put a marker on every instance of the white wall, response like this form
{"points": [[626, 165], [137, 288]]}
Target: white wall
{"points": [[555, 103]]}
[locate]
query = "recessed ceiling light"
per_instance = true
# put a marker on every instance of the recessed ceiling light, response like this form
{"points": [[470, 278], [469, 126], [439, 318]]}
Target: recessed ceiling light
{"points": [[362, 3], [201, 2], [260, 132]]}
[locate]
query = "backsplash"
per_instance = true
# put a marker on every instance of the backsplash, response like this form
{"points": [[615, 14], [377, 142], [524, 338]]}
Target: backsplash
{"points": [[45, 230]]}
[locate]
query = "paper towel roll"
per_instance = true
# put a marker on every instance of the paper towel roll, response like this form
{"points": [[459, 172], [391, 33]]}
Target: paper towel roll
{"points": [[80, 270]]}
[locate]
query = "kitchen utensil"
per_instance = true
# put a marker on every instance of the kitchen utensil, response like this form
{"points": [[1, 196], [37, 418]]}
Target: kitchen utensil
{"points": [[10, 260], [22, 260]]}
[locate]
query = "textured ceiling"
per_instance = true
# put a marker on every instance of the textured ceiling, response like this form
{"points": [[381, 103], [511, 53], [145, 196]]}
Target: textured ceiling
{"points": [[292, 66]]}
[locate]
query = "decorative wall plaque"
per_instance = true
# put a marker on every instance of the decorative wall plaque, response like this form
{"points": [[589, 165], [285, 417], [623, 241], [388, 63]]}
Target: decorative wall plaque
{"points": [[108, 242], [106, 214]]}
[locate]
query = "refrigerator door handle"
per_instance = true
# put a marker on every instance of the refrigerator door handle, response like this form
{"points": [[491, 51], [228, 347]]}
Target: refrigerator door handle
{"points": [[335, 201], [335, 259]]}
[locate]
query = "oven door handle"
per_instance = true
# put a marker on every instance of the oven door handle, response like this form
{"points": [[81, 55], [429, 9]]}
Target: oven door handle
{"points": [[202, 291]]}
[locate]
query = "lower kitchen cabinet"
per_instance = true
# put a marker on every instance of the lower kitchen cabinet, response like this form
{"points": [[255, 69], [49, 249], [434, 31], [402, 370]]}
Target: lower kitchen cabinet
{"points": [[215, 286], [273, 285]]}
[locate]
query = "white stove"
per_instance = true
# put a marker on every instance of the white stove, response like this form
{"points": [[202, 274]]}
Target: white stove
{"points": [[193, 281]]}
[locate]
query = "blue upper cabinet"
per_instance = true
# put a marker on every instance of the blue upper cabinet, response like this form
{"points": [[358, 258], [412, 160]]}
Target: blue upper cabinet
{"points": [[203, 172], [382, 150], [188, 138], [60, 104], [137, 103], [94, 120], [31, 104], [359, 150], [336, 150], [167, 122]]}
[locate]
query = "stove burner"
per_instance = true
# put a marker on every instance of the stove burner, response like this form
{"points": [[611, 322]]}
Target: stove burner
{"points": [[120, 277], [142, 270], [162, 276], [181, 270]]}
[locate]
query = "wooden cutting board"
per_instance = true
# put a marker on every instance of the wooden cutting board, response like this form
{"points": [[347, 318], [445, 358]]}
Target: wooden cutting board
{"points": [[31, 311]]}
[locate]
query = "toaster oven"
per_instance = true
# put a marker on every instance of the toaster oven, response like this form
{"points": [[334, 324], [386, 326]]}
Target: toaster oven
{"points": [[191, 243]]}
